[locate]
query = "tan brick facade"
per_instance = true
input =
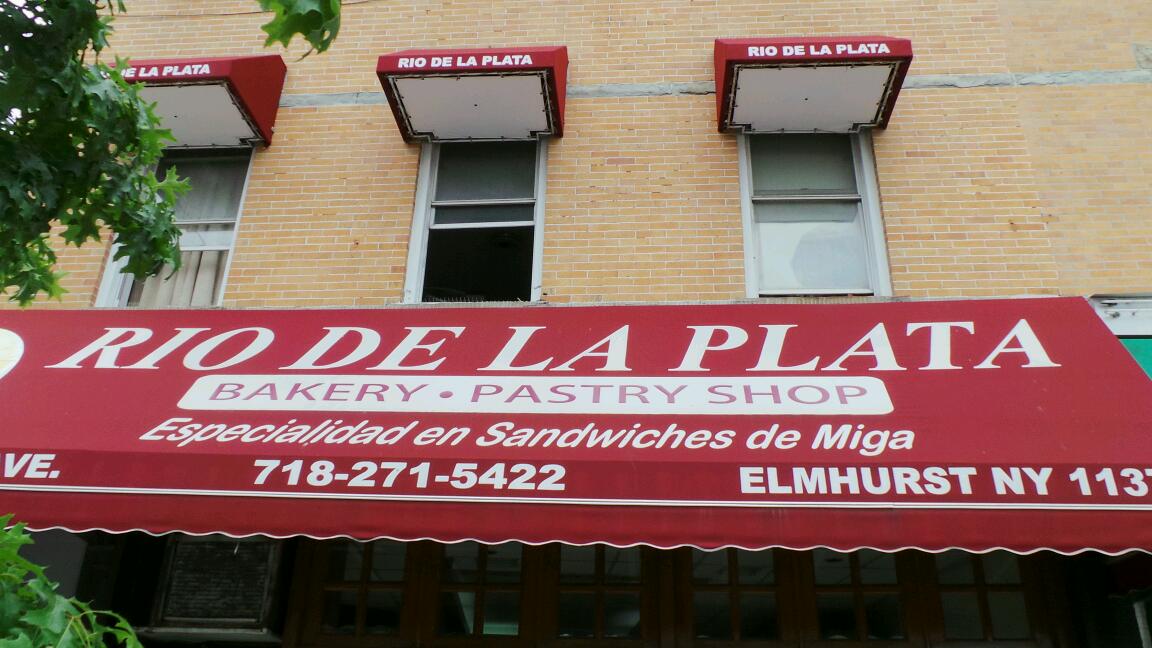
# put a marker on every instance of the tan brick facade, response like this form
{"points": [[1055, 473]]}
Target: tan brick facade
{"points": [[992, 182], [782, 471]]}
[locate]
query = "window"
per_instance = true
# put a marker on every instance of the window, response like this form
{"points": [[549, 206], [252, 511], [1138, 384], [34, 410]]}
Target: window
{"points": [[363, 588], [480, 589], [857, 595], [812, 222], [207, 217], [982, 597], [734, 595], [599, 593], [477, 226], [393, 595]]}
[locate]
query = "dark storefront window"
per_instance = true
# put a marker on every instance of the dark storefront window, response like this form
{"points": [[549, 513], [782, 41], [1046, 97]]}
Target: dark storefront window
{"points": [[734, 595], [982, 596], [562, 596], [480, 589], [599, 593], [363, 588], [857, 595]]}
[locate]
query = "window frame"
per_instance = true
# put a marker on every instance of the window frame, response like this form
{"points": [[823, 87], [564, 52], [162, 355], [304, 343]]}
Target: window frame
{"points": [[907, 577], [666, 589], [424, 208], [600, 588], [782, 588], [1038, 585], [481, 588], [115, 286], [175, 626], [871, 222]]}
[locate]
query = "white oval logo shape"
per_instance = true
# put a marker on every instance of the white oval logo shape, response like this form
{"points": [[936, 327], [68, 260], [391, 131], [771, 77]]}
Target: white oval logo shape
{"points": [[11, 349]]}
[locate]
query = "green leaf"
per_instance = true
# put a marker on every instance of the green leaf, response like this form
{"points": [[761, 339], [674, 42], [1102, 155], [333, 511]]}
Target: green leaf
{"points": [[34, 615], [20, 640], [54, 616], [317, 21], [78, 153], [78, 143]]}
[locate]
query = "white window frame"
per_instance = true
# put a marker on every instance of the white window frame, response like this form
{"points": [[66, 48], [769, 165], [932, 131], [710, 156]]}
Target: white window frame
{"points": [[879, 277], [115, 284], [424, 208]]}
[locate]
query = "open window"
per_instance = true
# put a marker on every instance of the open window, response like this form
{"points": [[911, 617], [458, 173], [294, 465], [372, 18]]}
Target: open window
{"points": [[476, 230], [484, 115], [812, 223]]}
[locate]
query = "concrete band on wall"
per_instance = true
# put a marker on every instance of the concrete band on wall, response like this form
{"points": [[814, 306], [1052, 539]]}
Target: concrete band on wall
{"points": [[1107, 77]]}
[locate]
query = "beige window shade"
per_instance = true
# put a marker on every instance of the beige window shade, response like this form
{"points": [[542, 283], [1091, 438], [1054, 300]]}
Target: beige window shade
{"points": [[197, 282], [207, 218]]}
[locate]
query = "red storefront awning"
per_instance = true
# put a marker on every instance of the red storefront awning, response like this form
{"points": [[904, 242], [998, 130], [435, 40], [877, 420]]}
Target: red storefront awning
{"points": [[220, 101], [445, 95], [804, 85], [1019, 424]]}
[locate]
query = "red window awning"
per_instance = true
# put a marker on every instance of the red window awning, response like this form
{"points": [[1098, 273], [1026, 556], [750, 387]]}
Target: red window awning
{"points": [[476, 94], [219, 101], [804, 85], [1019, 424]]}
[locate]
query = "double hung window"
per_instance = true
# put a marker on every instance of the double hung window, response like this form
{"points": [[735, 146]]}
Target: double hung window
{"points": [[206, 216], [476, 230], [812, 216]]}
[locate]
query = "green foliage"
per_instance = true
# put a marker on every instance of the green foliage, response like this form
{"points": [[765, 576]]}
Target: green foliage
{"points": [[317, 21], [33, 615], [78, 145], [77, 148]]}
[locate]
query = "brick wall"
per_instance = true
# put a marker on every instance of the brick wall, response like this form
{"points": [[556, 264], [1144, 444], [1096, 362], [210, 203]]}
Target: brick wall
{"points": [[992, 183], [328, 212]]}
